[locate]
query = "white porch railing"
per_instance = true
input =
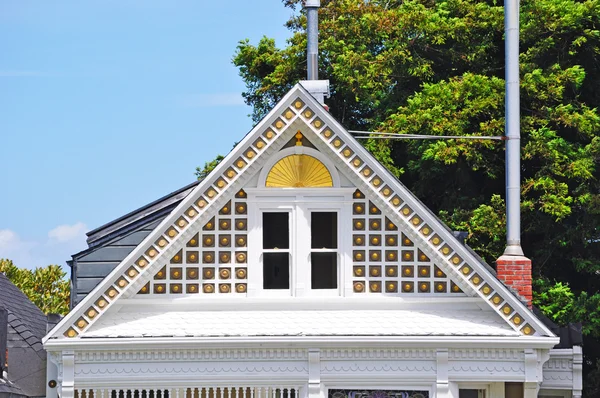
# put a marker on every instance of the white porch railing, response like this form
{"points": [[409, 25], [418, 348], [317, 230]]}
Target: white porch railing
{"points": [[190, 392]]}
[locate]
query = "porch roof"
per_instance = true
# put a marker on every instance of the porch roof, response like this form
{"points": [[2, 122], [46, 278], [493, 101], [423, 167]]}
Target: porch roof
{"points": [[253, 323]]}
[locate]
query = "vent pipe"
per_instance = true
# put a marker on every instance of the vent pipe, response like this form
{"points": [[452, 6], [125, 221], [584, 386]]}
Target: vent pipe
{"points": [[513, 268], [512, 129], [312, 33]]}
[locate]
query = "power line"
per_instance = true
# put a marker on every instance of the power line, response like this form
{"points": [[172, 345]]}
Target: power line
{"points": [[392, 136]]}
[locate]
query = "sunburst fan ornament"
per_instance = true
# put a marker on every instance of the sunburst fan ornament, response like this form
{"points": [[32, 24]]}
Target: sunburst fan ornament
{"points": [[299, 171]]}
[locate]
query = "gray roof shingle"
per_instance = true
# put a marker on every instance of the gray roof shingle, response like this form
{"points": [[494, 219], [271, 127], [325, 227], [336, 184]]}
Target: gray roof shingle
{"points": [[10, 388], [26, 321]]}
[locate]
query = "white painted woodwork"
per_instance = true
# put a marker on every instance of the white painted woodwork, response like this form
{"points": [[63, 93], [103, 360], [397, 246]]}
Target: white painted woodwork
{"points": [[304, 340], [314, 370], [298, 203]]}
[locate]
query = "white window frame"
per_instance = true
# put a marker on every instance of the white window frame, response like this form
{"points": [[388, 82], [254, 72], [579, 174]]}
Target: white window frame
{"points": [[306, 209], [299, 202], [255, 248]]}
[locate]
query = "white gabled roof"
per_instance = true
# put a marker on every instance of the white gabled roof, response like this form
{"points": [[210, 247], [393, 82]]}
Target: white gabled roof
{"points": [[351, 158]]}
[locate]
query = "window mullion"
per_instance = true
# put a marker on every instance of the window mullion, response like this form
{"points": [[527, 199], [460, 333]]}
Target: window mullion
{"points": [[301, 250]]}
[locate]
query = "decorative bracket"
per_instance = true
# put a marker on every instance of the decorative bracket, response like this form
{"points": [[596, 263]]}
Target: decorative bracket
{"points": [[314, 373], [444, 388], [68, 375]]}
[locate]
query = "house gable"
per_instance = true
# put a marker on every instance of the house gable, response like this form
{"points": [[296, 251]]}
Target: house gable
{"points": [[385, 261], [299, 112]]}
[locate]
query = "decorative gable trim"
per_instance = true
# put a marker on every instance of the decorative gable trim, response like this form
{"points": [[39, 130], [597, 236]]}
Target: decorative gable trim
{"points": [[296, 111]]}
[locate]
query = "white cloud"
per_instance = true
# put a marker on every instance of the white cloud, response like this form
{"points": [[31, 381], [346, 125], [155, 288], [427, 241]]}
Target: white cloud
{"points": [[67, 233], [14, 248], [11, 242], [210, 100], [61, 242], [7, 238]]}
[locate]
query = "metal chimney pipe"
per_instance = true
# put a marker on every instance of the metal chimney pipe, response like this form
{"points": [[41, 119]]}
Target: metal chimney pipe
{"points": [[512, 129], [312, 31]]}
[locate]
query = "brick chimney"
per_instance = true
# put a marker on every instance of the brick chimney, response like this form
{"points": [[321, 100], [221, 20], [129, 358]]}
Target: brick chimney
{"points": [[515, 272]]}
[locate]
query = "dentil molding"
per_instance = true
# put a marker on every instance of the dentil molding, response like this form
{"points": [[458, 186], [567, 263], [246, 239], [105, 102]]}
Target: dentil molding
{"points": [[191, 355]]}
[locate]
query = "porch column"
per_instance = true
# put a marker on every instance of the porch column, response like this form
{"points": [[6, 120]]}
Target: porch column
{"points": [[577, 371], [530, 390], [51, 375], [533, 373], [443, 387]]}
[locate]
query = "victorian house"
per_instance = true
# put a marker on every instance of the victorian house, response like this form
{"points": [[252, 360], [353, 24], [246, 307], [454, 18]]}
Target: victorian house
{"points": [[299, 268]]}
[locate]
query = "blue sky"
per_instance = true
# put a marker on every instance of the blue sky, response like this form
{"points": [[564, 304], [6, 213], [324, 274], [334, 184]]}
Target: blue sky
{"points": [[108, 105]]}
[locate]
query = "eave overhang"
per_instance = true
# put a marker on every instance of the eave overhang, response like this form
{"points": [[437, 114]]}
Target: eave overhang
{"points": [[173, 343]]}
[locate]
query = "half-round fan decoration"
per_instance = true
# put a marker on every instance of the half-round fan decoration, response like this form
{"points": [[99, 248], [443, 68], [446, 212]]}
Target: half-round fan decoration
{"points": [[299, 171]]}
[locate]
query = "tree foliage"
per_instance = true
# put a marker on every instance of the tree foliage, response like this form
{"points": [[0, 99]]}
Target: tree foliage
{"points": [[202, 172], [46, 286], [437, 67]]}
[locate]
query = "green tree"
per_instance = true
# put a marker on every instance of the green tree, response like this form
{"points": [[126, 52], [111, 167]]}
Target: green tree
{"points": [[202, 172], [46, 286], [437, 67]]}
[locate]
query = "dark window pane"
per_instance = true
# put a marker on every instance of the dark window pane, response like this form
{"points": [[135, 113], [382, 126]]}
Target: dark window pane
{"points": [[323, 227], [276, 231], [376, 393], [276, 271], [324, 270], [513, 390], [467, 393]]}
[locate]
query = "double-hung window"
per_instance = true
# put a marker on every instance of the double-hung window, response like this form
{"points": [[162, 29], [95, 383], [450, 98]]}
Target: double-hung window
{"points": [[276, 250], [297, 242], [324, 272]]}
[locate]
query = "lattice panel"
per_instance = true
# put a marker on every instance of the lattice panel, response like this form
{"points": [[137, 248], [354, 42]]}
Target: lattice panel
{"points": [[214, 261], [386, 261]]}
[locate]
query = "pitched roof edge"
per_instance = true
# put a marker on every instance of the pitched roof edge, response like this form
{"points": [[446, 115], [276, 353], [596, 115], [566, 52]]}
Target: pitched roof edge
{"points": [[570, 334], [125, 230], [150, 208]]}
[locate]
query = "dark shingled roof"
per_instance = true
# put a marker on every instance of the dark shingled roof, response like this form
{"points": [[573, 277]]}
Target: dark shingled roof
{"points": [[26, 322], [570, 335], [114, 227], [10, 388], [109, 244]]}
